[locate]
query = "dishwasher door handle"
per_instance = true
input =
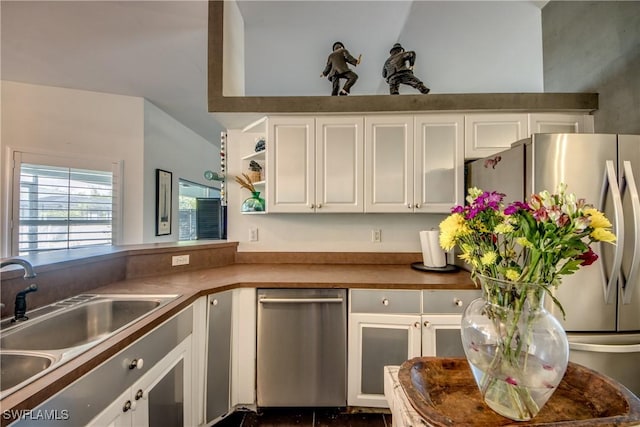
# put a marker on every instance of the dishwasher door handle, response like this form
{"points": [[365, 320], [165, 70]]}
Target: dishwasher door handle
{"points": [[337, 300]]}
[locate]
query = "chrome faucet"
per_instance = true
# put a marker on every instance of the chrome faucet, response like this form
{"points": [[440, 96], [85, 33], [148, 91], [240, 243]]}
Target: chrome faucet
{"points": [[29, 273], [21, 297]]}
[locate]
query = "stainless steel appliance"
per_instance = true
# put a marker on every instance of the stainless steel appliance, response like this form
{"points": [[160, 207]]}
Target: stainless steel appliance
{"points": [[302, 342], [602, 301]]}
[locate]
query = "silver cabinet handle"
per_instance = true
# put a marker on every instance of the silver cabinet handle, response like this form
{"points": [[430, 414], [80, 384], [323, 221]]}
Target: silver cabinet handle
{"points": [[409, 205], [610, 182], [385, 301], [417, 205], [457, 301], [319, 205], [416, 325], [129, 405], [141, 394], [300, 300], [632, 279], [312, 206], [427, 324]]}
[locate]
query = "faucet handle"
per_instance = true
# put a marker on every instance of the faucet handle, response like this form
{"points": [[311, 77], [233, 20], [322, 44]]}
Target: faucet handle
{"points": [[31, 288]]}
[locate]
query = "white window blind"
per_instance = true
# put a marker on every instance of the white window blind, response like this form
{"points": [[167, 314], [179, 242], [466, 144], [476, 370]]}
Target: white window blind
{"points": [[64, 208]]}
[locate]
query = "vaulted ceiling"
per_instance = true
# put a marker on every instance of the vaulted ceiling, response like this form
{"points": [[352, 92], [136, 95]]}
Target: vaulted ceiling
{"points": [[151, 49]]}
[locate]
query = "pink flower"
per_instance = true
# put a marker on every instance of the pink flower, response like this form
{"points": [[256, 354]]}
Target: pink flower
{"points": [[511, 381]]}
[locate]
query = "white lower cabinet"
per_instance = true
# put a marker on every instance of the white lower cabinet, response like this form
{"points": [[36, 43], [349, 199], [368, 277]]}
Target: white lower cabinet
{"points": [[387, 327], [160, 397], [147, 383], [377, 340]]}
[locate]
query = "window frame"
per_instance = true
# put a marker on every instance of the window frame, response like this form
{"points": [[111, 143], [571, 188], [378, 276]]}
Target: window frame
{"points": [[98, 164]]}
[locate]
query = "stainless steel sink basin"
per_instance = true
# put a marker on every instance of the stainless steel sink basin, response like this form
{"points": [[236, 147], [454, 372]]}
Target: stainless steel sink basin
{"points": [[58, 332], [15, 368], [78, 325]]}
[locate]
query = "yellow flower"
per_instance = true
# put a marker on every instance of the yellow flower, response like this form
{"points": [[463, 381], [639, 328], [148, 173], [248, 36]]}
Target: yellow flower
{"points": [[451, 228], [598, 220], [489, 258], [466, 257], [503, 228], [512, 275], [603, 235], [522, 241]]}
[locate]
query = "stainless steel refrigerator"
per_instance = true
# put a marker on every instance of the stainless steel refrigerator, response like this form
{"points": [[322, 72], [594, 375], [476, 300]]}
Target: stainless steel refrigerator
{"points": [[602, 301]]}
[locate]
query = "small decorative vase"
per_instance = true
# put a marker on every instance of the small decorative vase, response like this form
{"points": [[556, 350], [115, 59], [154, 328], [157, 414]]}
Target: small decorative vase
{"points": [[253, 204], [518, 351]]}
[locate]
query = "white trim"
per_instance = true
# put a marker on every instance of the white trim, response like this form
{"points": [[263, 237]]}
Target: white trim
{"points": [[14, 158]]}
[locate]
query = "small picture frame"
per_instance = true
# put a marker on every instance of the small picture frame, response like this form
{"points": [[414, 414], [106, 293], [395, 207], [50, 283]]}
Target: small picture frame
{"points": [[164, 183]]}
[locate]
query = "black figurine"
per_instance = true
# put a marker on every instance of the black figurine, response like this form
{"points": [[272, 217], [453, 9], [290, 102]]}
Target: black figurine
{"points": [[398, 69], [337, 69]]}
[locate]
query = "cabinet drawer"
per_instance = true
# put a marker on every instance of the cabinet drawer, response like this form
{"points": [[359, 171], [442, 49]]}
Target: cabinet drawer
{"points": [[385, 301], [454, 301]]}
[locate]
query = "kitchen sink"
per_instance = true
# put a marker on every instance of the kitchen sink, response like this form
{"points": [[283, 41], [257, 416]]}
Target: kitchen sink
{"points": [[79, 325], [62, 330], [16, 367]]}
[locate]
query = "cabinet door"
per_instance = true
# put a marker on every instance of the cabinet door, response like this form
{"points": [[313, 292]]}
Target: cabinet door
{"points": [[488, 134], [441, 335], [389, 164], [291, 166], [163, 395], [339, 160], [117, 414], [560, 123], [375, 341], [218, 361], [438, 163]]}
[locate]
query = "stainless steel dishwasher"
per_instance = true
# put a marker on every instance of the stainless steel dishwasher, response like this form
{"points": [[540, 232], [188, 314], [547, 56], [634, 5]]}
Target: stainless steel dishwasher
{"points": [[302, 347]]}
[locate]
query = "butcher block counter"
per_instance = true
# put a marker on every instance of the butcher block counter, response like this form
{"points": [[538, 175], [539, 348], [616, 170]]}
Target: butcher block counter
{"points": [[214, 267]]}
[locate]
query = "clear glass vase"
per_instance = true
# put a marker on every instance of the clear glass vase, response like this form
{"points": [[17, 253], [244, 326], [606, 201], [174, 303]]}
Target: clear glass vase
{"points": [[253, 204], [518, 351]]}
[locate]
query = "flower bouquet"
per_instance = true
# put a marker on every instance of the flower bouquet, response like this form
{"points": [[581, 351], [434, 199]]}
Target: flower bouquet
{"points": [[517, 350]]}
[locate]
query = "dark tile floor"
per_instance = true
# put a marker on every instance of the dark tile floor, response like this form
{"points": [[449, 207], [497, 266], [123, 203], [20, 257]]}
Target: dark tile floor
{"points": [[310, 417]]}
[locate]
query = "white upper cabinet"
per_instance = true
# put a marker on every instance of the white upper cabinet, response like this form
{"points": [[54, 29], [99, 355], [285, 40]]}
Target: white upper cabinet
{"points": [[490, 133], [438, 162], [560, 123], [315, 165], [291, 165], [487, 134], [414, 163], [339, 164], [389, 164]]}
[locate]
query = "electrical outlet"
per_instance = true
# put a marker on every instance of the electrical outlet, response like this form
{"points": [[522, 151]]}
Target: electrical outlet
{"points": [[179, 260], [253, 234], [376, 236]]}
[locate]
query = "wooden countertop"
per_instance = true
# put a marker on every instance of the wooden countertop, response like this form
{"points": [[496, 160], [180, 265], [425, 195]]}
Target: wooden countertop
{"points": [[194, 284]]}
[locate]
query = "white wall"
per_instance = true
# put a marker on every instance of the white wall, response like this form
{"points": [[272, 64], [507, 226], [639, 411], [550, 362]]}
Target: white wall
{"points": [[233, 51], [75, 123], [82, 124], [315, 232], [461, 46], [170, 146]]}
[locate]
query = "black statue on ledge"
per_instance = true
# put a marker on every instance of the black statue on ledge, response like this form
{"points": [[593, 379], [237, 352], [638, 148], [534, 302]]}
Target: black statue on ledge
{"points": [[337, 68], [398, 69]]}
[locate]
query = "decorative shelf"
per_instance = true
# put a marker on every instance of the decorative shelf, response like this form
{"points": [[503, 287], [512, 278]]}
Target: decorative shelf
{"points": [[258, 155]]}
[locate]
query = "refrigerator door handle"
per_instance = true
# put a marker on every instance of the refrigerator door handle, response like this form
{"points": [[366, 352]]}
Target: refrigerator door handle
{"points": [[610, 182], [632, 279]]}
